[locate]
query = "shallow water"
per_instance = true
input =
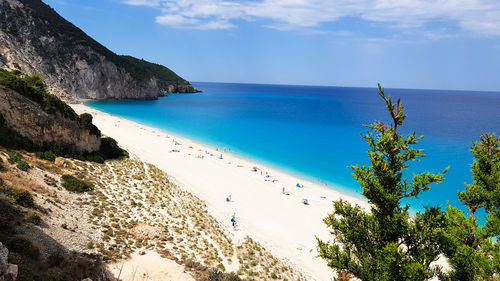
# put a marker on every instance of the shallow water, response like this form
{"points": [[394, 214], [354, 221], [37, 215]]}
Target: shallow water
{"points": [[315, 131]]}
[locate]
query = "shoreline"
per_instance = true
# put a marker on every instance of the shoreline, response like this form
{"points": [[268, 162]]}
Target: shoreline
{"points": [[279, 222], [244, 156]]}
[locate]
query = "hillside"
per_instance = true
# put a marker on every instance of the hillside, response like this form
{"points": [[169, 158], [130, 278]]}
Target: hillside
{"points": [[35, 39], [34, 120]]}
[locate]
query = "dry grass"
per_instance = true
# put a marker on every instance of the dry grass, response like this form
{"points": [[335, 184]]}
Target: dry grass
{"points": [[133, 207]]}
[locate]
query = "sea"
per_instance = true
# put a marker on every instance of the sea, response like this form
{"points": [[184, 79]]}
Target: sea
{"points": [[314, 132]]}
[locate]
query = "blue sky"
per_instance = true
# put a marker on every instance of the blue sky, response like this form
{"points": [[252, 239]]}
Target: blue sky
{"points": [[425, 44]]}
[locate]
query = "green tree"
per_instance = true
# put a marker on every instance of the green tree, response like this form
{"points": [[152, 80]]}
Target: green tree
{"points": [[385, 243], [473, 249]]}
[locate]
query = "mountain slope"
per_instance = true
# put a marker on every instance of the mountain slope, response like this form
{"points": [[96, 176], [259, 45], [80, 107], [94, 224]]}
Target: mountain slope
{"points": [[35, 39]]}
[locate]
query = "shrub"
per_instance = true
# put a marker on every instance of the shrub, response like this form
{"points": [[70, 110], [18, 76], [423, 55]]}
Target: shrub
{"points": [[216, 275], [95, 158], [23, 247], [86, 123], [73, 184], [55, 260], [13, 158], [34, 218], [22, 197], [110, 149], [47, 155], [23, 166], [33, 87], [90, 245]]}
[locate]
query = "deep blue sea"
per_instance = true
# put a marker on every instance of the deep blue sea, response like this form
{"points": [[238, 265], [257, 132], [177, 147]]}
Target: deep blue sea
{"points": [[315, 131]]}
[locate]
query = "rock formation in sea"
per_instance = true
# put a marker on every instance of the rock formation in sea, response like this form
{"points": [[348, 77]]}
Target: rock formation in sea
{"points": [[36, 39]]}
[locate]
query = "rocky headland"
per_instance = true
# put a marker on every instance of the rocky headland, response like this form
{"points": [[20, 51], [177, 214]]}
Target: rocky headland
{"points": [[35, 39]]}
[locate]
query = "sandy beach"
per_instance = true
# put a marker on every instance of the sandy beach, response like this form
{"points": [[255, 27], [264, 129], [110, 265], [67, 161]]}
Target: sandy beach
{"points": [[280, 222]]}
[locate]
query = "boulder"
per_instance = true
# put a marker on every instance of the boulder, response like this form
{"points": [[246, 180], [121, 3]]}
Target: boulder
{"points": [[8, 272]]}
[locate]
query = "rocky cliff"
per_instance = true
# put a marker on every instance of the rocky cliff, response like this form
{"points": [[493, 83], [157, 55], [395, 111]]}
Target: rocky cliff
{"points": [[28, 119], [35, 39]]}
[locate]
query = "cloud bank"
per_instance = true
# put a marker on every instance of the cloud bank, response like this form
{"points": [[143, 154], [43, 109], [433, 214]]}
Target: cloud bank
{"points": [[478, 17]]}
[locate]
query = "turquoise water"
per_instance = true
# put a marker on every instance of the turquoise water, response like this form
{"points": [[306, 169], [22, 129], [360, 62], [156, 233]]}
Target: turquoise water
{"points": [[315, 131]]}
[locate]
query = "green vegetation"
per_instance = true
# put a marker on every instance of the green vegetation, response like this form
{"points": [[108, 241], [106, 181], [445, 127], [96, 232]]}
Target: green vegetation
{"points": [[388, 244], [34, 218], [109, 149], [473, 249], [216, 275], [31, 264], [85, 120], [33, 87], [368, 245], [21, 164], [46, 155], [74, 40], [49, 151], [17, 196], [73, 184]]}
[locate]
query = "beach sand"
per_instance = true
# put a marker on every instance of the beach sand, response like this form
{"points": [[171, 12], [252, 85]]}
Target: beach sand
{"points": [[150, 266], [279, 222]]}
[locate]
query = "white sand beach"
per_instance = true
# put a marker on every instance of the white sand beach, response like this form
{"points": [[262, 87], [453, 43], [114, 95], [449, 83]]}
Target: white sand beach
{"points": [[279, 222]]}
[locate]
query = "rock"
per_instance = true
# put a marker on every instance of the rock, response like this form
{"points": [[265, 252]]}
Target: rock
{"points": [[58, 161], [12, 271], [35, 39], [28, 119], [4, 258], [87, 279], [8, 272], [142, 253]]}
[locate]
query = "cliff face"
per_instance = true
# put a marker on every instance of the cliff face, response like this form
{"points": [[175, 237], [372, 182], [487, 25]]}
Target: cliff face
{"points": [[28, 119], [35, 39]]}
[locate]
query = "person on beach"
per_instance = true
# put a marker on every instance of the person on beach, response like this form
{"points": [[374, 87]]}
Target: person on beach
{"points": [[228, 199], [233, 222]]}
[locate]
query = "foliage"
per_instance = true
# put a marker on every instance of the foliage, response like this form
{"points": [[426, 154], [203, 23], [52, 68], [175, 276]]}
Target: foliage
{"points": [[33, 87], [34, 218], [23, 166], [385, 244], [23, 247], [109, 149], [86, 123], [26, 254], [473, 250], [73, 40], [73, 184], [216, 275], [22, 197], [47, 155]]}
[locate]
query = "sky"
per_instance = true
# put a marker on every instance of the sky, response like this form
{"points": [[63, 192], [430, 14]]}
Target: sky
{"points": [[419, 44]]}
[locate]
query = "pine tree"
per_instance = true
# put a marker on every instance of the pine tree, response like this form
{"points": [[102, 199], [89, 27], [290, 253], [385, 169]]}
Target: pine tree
{"points": [[473, 249], [386, 243]]}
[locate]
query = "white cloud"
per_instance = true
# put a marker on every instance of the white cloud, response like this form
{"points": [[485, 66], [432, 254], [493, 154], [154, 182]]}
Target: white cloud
{"points": [[478, 17], [148, 3]]}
